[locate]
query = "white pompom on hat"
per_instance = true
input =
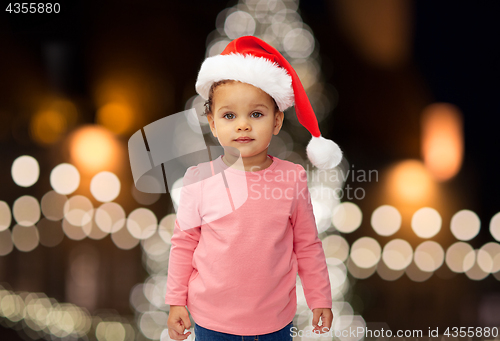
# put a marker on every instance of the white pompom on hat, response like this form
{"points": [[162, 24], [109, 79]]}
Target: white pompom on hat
{"points": [[251, 60]]}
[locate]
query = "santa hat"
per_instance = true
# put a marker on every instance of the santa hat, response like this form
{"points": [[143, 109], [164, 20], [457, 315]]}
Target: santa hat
{"points": [[251, 60]]}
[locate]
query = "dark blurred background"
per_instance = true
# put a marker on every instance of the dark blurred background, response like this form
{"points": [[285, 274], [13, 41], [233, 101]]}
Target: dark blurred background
{"points": [[400, 79]]}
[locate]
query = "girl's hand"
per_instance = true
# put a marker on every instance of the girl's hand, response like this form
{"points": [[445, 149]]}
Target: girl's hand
{"points": [[178, 320], [326, 319]]}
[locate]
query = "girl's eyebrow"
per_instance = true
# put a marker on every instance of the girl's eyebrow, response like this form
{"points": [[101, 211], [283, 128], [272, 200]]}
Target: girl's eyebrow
{"points": [[255, 105], [261, 105]]}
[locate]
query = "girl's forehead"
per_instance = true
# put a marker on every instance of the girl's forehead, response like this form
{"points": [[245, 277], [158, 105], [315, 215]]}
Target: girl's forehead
{"points": [[236, 89]]}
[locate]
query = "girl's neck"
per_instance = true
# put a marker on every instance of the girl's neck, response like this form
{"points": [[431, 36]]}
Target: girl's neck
{"points": [[250, 164]]}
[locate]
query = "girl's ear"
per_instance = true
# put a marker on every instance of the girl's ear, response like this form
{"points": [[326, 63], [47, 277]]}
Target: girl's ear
{"points": [[278, 122], [211, 122]]}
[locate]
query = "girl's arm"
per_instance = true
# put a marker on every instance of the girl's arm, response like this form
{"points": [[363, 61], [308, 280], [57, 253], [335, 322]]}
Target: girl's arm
{"points": [[180, 264], [308, 248], [187, 231]]}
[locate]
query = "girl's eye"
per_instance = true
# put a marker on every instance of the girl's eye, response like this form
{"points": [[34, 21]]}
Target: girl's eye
{"points": [[232, 115]]}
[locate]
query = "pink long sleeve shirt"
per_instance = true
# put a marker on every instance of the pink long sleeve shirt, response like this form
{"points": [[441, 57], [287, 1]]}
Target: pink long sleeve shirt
{"points": [[240, 238]]}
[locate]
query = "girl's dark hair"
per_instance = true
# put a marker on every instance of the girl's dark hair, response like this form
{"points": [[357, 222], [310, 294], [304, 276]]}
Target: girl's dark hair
{"points": [[209, 101]]}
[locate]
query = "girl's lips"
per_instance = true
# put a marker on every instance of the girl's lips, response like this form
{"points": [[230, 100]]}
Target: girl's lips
{"points": [[244, 140]]}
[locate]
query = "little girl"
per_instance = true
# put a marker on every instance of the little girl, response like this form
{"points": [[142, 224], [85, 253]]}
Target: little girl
{"points": [[244, 232]]}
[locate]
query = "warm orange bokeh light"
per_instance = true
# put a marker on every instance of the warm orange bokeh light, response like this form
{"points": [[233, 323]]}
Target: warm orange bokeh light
{"points": [[410, 182], [442, 140], [52, 121], [93, 148], [47, 126], [380, 30], [115, 116]]}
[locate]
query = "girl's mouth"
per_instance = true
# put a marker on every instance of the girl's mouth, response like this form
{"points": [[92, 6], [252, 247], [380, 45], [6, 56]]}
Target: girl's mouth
{"points": [[245, 140]]}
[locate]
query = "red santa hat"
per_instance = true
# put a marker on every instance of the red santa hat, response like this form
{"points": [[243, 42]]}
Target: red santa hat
{"points": [[251, 60]]}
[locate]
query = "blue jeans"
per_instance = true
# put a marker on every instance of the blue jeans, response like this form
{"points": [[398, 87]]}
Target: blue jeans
{"points": [[203, 334]]}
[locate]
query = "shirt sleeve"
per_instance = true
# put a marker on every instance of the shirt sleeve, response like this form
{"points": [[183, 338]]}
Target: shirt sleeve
{"points": [[308, 248], [187, 231]]}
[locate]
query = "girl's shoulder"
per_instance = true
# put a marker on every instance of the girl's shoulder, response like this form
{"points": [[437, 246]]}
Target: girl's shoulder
{"points": [[290, 166], [197, 173], [292, 170]]}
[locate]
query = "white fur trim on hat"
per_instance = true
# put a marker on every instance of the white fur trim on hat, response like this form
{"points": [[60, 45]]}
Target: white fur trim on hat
{"points": [[257, 71]]}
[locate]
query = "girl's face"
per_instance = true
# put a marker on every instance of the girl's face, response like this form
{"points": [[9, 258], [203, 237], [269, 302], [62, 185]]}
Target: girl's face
{"points": [[243, 110]]}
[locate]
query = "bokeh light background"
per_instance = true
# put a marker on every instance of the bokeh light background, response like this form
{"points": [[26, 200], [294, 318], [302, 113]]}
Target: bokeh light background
{"points": [[410, 220]]}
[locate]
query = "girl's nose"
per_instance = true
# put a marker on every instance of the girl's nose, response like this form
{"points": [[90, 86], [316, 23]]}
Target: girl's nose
{"points": [[243, 124]]}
